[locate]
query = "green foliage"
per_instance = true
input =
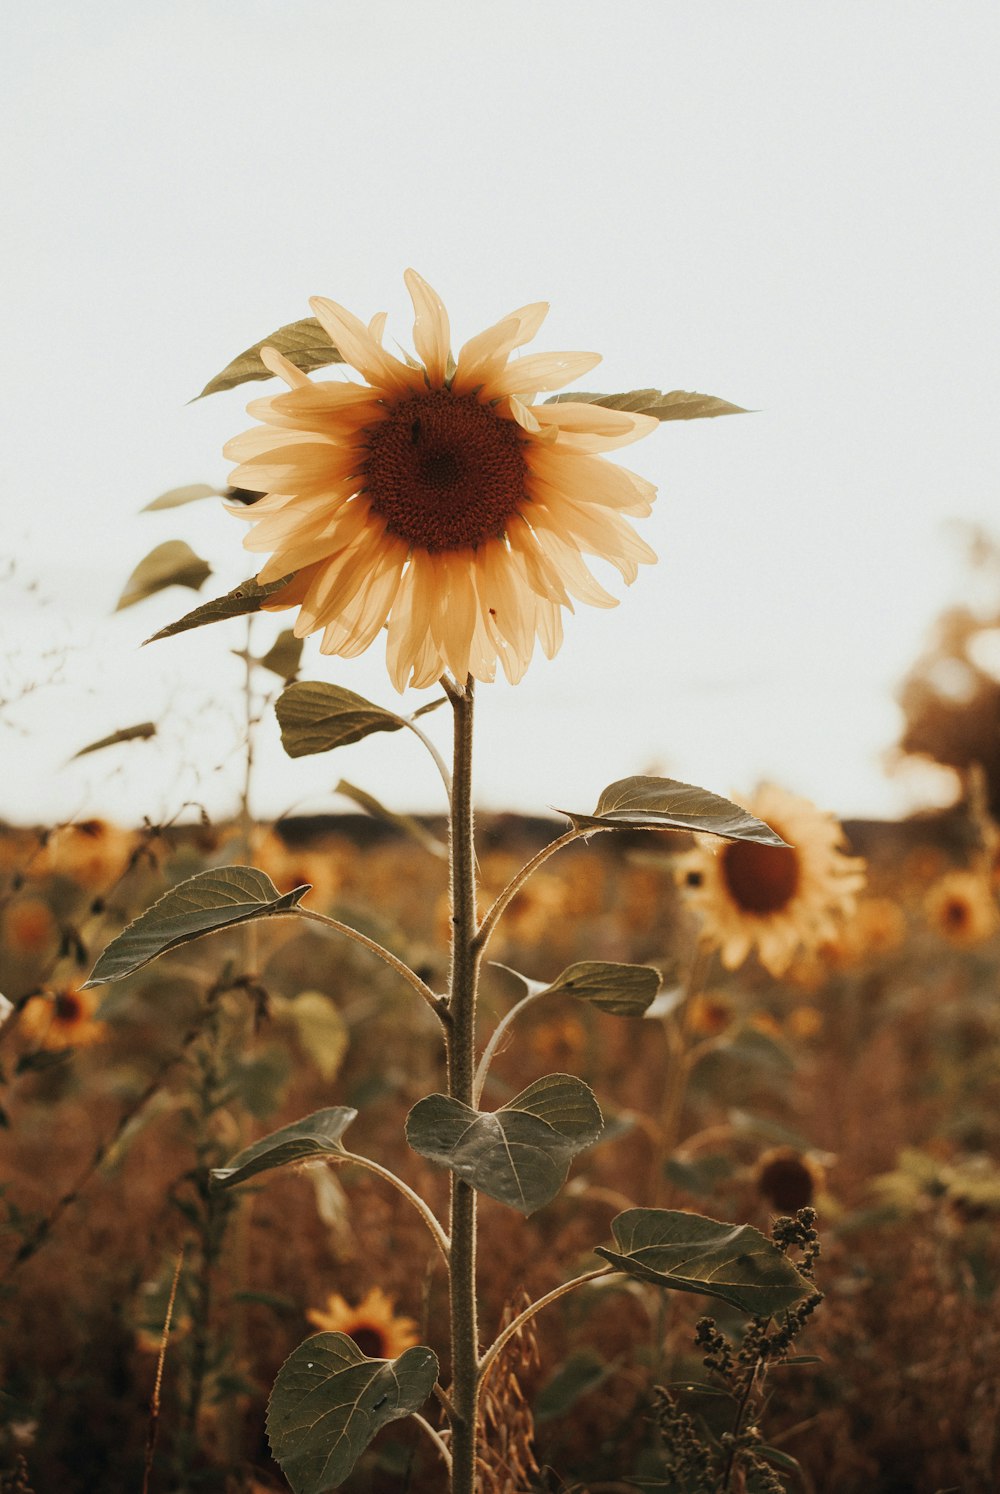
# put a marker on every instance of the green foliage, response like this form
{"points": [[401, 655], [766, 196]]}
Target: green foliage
{"points": [[405, 822], [317, 1135], [173, 563], [142, 732], [303, 343], [519, 1154], [329, 1401], [678, 404], [583, 1372], [316, 717], [203, 904], [622, 990], [689, 1253], [643, 803], [244, 599]]}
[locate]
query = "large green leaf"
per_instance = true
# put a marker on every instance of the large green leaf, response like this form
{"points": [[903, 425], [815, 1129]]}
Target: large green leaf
{"points": [[690, 1253], [643, 803], [178, 496], [678, 404], [140, 733], [317, 1135], [248, 597], [623, 990], [209, 901], [519, 1154], [303, 343], [316, 717], [171, 564], [329, 1402]]}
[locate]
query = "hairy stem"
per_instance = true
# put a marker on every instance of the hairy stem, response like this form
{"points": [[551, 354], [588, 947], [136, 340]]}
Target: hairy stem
{"points": [[461, 1079]]}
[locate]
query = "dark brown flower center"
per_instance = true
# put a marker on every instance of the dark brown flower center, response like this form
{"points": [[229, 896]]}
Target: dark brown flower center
{"points": [[445, 472], [371, 1341], [957, 914], [786, 1182], [760, 879], [68, 1007]]}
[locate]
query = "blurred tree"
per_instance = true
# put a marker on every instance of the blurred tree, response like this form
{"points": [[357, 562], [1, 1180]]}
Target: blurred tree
{"points": [[951, 697]]}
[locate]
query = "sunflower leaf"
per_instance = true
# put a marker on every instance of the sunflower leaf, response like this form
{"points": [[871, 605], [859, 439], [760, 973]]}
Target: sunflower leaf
{"points": [[316, 717], [316, 1135], [643, 803], [678, 404], [408, 823], [142, 732], [690, 1253], [622, 990], [303, 343], [201, 905], [284, 655], [171, 564], [519, 1154], [248, 597], [329, 1401], [177, 496]]}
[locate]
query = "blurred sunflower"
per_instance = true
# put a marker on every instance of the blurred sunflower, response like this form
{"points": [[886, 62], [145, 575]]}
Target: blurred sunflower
{"points": [[374, 1326], [29, 925], [436, 497], [63, 1018], [962, 908], [788, 1179], [777, 899]]}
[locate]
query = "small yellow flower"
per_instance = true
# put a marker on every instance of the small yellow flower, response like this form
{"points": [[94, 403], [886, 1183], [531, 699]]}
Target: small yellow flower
{"points": [[962, 908], [436, 497], [63, 1018], [374, 1325], [780, 900]]}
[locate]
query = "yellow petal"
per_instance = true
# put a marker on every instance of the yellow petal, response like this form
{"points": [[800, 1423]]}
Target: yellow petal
{"points": [[431, 330], [359, 348], [539, 371]]}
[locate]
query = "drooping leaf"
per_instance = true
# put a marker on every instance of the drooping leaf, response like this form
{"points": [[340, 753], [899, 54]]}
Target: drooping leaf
{"points": [[405, 822], [316, 717], [177, 496], [171, 564], [623, 990], [284, 655], [317, 1135], [519, 1154], [329, 1402], [321, 1030], [248, 597], [643, 803], [690, 1253], [140, 733], [211, 900], [303, 343], [678, 404]]}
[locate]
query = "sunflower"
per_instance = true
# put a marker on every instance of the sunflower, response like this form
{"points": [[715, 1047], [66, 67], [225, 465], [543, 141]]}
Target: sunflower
{"points": [[436, 497], [777, 899], [29, 925], [788, 1179], [63, 1018], [374, 1326], [961, 907]]}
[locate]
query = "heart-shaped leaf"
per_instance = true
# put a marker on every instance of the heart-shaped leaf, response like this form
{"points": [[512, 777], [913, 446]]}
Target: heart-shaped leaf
{"points": [[317, 1135], [170, 564], [678, 404], [643, 803], [209, 901], [622, 990], [248, 597], [691, 1253], [519, 1154], [329, 1401], [303, 343], [140, 733], [316, 717]]}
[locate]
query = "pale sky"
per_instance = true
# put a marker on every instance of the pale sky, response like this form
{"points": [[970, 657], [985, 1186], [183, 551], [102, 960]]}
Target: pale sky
{"points": [[790, 206]]}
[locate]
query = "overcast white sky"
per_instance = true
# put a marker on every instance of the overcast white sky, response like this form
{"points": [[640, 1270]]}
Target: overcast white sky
{"points": [[788, 205]]}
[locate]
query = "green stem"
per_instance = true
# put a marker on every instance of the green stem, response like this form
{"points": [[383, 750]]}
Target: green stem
{"points": [[516, 882], [461, 1035]]}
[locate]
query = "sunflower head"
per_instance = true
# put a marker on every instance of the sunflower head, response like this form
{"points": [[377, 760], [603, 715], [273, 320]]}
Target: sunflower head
{"points": [[961, 907], [778, 900], [374, 1325], [29, 925], [787, 1180], [436, 498], [62, 1018]]}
